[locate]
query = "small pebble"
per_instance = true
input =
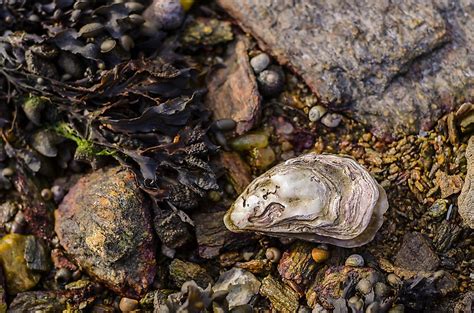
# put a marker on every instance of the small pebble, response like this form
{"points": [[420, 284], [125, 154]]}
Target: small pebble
{"points": [[40, 81], [331, 120], [34, 18], [364, 286], [316, 113], [356, 302], [8, 171], [271, 82], [394, 280], [127, 304], [167, 13], [273, 254], [63, 275], [381, 290], [46, 194], [355, 260], [225, 124], [58, 193], [260, 62], [220, 139], [19, 218], [320, 254]]}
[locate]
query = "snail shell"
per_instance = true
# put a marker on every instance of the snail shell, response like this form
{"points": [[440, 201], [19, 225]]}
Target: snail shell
{"points": [[320, 198]]}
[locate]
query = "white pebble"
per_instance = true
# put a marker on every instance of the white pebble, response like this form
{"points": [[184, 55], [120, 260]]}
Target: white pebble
{"points": [[331, 120], [260, 62]]}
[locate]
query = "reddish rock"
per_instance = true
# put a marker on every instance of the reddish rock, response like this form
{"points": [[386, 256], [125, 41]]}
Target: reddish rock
{"points": [[103, 223], [232, 88], [238, 171]]}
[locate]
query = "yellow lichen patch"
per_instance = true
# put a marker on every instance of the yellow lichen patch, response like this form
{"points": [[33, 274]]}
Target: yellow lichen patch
{"points": [[17, 275]]}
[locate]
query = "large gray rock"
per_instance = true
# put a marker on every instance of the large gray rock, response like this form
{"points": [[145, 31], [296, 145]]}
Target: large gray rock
{"points": [[397, 65], [466, 198], [104, 224]]}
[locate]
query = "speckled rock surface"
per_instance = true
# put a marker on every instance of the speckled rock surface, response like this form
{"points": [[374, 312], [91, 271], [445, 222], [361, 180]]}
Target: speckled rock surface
{"points": [[466, 198], [416, 254], [397, 73], [103, 223]]}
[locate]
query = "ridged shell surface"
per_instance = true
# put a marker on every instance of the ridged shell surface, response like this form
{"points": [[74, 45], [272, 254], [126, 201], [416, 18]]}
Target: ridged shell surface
{"points": [[321, 198]]}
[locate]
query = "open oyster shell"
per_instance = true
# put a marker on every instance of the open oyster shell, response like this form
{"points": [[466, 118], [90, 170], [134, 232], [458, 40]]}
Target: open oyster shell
{"points": [[322, 198]]}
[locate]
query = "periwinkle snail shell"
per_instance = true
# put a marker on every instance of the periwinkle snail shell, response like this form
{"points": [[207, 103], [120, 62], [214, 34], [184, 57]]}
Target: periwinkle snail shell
{"points": [[320, 198]]}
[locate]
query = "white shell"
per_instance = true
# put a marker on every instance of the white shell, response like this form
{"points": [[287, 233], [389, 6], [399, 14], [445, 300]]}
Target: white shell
{"points": [[321, 198]]}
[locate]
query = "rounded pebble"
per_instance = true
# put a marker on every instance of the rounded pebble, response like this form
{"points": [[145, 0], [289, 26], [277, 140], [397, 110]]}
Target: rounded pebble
{"points": [[127, 304], [320, 254], [46, 194], [8, 171], [355, 260], [168, 13], [91, 30], [107, 45], [136, 19], [271, 82], [438, 274], [19, 218], [394, 280], [40, 81], [214, 196], [127, 42], [34, 18], [220, 139], [331, 120], [225, 124], [356, 302], [273, 254], [316, 113], [260, 62], [381, 290], [58, 193], [364, 286], [63, 275]]}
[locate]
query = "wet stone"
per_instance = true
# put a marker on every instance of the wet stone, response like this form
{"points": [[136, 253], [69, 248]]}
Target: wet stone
{"points": [[18, 276], [102, 223], [8, 210], [241, 286], [232, 89], [183, 271], [353, 62], [238, 171], [416, 254], [466, 198], [212, 235]]}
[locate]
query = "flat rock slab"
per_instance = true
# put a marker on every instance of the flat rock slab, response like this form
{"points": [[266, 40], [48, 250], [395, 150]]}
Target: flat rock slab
{"points": [[416, 254], [232, 88], [398, 66], [104, 224], [466, 198]]}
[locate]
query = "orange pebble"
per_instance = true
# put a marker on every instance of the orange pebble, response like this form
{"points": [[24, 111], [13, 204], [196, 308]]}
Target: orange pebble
{"points": [[320, 255]]}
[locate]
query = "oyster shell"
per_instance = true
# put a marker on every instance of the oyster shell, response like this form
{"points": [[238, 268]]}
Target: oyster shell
{"points": [[321, 198]]}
